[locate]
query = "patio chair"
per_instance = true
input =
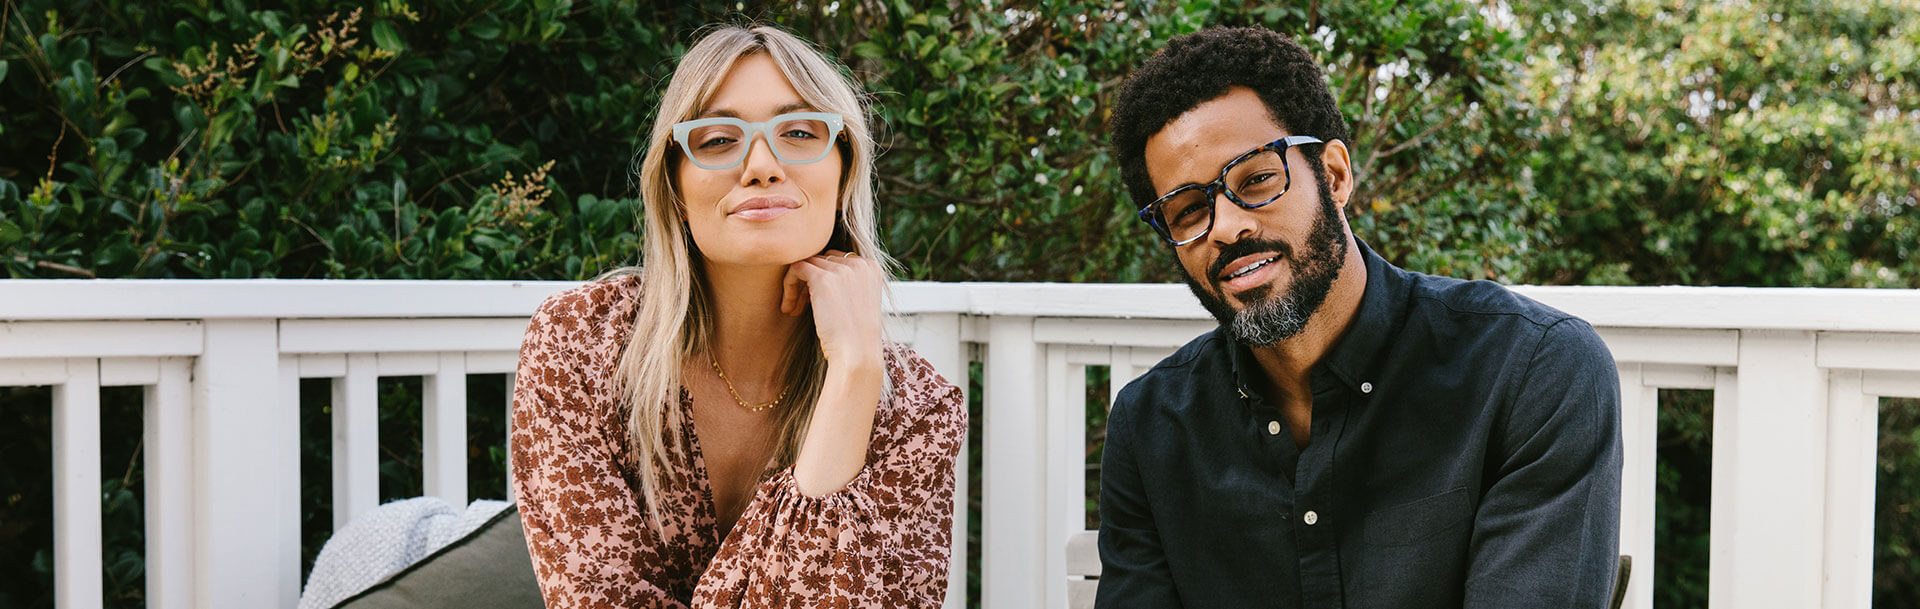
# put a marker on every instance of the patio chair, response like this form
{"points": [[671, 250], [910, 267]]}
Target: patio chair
{"points": [[486, 568]]}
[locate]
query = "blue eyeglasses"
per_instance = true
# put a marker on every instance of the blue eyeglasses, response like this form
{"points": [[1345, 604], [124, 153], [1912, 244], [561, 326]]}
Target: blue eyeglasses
{"points": [[796, 138], [1251, 181]]}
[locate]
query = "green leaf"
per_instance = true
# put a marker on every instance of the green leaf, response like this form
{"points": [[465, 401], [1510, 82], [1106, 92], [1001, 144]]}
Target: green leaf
{"points": [[82, 73], [3, 70], [385, 36], [9, 232], [487, 27], [869, 50]]}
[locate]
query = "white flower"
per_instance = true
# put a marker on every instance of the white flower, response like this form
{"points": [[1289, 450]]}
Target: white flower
{"points": [[1076, 191], [1040, 178], [1326, 36], [951, 209], [1034, 152]]}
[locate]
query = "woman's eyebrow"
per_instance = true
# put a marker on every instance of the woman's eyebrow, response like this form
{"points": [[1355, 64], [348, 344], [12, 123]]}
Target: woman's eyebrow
{"points": [[730, 113]]}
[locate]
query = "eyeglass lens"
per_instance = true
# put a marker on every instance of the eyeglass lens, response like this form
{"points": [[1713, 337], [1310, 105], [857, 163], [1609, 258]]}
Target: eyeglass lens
{"points": [[794, 141], [1255, 180]]}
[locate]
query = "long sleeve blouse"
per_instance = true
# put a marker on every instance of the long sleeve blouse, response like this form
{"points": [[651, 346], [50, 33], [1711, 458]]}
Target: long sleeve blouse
{"points": [[881, 541]]}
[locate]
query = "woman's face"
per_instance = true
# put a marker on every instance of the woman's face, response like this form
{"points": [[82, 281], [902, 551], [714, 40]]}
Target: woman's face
{"points": [[762, 212]]}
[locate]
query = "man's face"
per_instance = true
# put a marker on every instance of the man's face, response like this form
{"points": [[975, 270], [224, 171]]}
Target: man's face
{"points": [[1261, 272]]}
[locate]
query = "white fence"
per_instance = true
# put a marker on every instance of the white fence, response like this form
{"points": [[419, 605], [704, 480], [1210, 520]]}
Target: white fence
{"points": [[1797, 375]]}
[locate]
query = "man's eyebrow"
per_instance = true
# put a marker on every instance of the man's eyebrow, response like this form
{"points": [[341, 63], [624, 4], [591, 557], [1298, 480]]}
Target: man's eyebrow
{"points": [[730, 113]]}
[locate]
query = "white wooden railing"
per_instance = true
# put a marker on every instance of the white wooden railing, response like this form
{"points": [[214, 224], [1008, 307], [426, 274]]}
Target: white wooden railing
{"points": [[1796, 373]]}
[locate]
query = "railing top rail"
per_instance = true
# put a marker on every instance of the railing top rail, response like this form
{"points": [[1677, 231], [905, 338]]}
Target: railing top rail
{"points": [[1866, 310]]}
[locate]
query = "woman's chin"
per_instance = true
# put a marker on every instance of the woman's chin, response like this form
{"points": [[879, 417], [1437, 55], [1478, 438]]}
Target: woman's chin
{"points": [[740, 254]]}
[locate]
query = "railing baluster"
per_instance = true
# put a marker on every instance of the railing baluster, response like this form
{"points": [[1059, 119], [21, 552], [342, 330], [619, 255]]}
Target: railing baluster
{"points": [[76, 487], [166, 420], [237, 473], [1120, 373], [444, 430], [1014, 540], [1853, 440], [287, 520], [1721, 504], [1639, 414], [356, 439], [1064, 504], [1771, 545], [508, 441]]}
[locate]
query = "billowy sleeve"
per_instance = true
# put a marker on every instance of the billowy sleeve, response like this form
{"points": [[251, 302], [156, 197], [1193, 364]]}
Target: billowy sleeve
{"points": [[583, 525], [881, 541]]}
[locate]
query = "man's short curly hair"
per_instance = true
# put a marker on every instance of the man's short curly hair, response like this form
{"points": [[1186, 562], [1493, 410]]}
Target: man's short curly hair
{"points": [[1198, 67]]}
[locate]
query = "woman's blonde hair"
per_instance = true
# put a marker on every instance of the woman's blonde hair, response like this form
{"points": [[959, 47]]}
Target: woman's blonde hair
{"points": [[674, 319]]}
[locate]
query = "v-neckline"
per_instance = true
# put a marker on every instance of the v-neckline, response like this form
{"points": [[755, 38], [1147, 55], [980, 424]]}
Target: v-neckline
{"points": [[703, 481]]}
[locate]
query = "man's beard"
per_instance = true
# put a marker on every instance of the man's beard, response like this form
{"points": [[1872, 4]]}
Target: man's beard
{"points": [[1273, 318]]}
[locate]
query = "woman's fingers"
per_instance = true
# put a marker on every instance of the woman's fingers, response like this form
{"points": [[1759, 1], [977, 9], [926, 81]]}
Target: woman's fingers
{"points": [[798, 285], [793, 289], [831, 272]]}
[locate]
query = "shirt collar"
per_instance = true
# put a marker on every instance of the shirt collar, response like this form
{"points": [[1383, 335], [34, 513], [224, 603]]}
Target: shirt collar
{"points": [[1356, 355]]}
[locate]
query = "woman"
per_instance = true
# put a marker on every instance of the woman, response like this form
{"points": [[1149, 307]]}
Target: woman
{"points": [[725, 425]]}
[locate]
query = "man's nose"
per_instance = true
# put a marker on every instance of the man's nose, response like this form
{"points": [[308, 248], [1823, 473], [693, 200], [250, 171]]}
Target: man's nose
{"points": [[1231, 221]]}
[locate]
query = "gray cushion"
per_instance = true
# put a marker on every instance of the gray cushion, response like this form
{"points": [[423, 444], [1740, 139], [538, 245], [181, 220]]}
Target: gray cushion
{"points": [[489, 568]]}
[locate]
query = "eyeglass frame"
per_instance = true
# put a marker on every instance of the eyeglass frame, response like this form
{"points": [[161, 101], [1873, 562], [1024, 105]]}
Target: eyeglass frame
{"points": [[1150, 213], [836, 125]]}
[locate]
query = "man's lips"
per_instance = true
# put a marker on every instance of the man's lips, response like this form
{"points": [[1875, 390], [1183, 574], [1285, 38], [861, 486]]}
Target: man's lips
{"points": [[1248, 272], [763, 208], [1245, 265]]}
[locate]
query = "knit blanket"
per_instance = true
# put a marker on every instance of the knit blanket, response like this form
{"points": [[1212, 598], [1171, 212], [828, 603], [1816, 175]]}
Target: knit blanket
{"points": [[385, 540]]}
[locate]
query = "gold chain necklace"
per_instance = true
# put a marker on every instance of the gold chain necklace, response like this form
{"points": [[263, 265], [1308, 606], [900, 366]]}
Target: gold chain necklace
{"points": [[736, 394]]}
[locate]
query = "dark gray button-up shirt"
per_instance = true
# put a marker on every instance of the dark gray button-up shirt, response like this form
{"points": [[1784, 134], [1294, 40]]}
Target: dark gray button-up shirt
{"points": [[1464, 452]]}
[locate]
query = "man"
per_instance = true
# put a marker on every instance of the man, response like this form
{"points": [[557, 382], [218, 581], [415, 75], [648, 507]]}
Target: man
{"points": [[1353, 434]]}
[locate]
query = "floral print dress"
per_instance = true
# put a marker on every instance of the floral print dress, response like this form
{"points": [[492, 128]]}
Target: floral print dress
{"points": [[882, 541]]}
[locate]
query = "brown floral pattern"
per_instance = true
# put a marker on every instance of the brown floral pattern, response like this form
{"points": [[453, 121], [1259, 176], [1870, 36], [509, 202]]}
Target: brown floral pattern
{"points": [[882, 541]]}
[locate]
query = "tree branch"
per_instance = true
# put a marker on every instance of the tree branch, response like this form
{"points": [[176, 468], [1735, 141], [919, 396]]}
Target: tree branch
{"points": [[55, 266], [922, 189]]}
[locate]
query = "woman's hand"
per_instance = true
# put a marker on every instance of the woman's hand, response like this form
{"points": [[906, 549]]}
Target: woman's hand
{"points": [[844, 290]]}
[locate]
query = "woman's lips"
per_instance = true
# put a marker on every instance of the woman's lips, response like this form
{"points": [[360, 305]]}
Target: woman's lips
{"points": [[761, 209], [760, 214]]}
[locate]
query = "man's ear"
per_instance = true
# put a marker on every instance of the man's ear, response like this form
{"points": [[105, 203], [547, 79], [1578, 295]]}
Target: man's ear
{"points": [[1339, 168]]}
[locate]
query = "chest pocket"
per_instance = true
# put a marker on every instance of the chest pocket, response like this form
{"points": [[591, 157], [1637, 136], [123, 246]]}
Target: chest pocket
{"points": [[1419, 520]]}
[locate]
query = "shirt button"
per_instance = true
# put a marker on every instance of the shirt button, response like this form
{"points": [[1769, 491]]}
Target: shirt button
{"points": [[1366, 388], [1273, 428], [1310, 517]]}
